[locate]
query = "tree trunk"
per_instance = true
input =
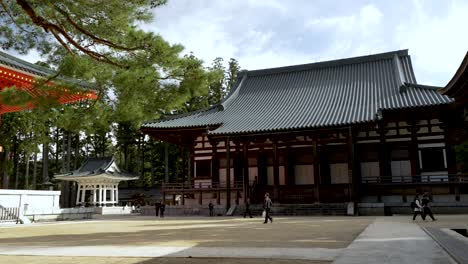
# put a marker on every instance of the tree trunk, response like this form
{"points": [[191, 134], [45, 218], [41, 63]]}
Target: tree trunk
{"points": [[34, 179], [45, 162], [15, 162], [64, 149], [68, 151], [26, 176], [6, 177], [77, 151], [57, 147]]}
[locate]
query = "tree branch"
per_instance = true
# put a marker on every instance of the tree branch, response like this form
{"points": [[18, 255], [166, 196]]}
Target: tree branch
{"points": [[92, 36], [12, 19], [55, 30]]}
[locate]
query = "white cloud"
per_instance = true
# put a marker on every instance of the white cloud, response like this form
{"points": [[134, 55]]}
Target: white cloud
{"points": [[437, 44], [262, 34]]}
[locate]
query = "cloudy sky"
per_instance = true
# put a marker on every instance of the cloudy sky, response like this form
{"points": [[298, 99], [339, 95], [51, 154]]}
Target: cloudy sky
{"points": [[271, 33]]}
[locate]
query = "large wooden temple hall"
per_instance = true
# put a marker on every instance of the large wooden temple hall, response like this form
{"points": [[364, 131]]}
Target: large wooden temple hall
{"points": [[356, 130]]}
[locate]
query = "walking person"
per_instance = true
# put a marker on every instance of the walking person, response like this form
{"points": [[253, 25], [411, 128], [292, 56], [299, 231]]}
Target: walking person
{"points": [[162, 208], [211, 207], [247, 208], [417, 207], [157, 206], [267, 204], [426, 210]]}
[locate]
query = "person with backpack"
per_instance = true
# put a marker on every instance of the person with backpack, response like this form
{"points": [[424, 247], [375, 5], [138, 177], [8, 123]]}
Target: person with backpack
{"points": [[417, 207], [426, 210], [211, 208], [267, 204]]}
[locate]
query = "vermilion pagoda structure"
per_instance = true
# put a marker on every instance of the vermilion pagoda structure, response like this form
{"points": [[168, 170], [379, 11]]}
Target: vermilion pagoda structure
{"points": [[23, 75]]}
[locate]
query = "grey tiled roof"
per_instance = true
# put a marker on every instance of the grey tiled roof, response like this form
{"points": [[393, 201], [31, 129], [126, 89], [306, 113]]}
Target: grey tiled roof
{"points": [[97, 166], [324, 94]]}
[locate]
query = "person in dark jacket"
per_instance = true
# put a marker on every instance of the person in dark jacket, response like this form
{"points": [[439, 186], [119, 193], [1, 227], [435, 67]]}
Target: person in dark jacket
{"points": [[426, 210], [247, 208], [211, 208], [267, 204], [417, 208], [162, 209], [157, 206]]}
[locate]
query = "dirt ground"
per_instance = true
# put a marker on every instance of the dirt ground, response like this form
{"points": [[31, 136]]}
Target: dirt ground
{"points": [[216, 232]]}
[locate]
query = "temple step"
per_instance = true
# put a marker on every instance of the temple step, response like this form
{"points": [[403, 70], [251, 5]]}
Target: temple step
{"points": [[298, 209]]}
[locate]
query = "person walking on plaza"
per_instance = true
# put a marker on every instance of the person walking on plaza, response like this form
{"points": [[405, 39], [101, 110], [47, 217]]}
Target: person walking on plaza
{"points": [[157, 206], [267, 204], [162, 208], [247, 208], [211, 207], [426, 210], [417, 207]]}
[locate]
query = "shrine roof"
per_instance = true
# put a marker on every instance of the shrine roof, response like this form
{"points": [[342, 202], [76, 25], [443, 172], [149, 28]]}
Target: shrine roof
{"points": [[323, 94], [94, 167]]}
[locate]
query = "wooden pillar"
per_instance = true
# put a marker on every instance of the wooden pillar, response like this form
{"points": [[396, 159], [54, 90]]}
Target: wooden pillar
{"points": [[383, 154], [104, 196], [113, 195], [166, 162], [450, 157], [316, 161], [117, 194], [184, 164], [245, 166], [83, 194], [353, 167], [94, 195], [413, 150], [228, 174], [191, 164], [261, 165], [214, 164], [276, 170], [286, 167], [78, 194]]}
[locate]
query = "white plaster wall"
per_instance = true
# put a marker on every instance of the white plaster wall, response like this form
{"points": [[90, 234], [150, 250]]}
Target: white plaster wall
{"points": [[270, 177], [253, 172], [339, 173], [304, 174], [370, 169], [34, 199], [222, 175], [400, 168]]}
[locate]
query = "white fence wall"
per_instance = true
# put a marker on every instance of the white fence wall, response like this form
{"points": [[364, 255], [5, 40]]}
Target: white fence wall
{"points": [[34, 199]]}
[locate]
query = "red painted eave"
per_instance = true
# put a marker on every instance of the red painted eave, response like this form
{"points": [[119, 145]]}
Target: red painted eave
{"points": [[10, 77]]}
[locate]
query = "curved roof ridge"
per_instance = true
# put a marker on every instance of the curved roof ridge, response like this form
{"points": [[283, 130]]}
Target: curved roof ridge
{"points": [[233, 95], [455, 84], [422, 86], [182, 115], [330, 63]]}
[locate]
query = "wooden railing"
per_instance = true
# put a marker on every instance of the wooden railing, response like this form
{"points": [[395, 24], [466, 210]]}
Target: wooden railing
{"points": [[9, 214], [201, 185], [417, 179]]}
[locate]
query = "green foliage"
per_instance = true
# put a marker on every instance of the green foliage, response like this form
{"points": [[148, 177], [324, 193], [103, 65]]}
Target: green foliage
{"points": [[462, 157], [137, 75]]}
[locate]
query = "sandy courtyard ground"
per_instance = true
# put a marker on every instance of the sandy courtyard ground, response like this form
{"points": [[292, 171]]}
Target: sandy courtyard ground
{"points": [[145, 240]]}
